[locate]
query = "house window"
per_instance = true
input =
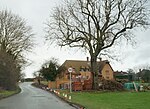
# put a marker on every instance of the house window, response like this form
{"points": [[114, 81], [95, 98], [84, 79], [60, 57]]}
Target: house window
{"points": [[88, 69], [81, 69], [73, 69], [107, 72], [107, 77]]}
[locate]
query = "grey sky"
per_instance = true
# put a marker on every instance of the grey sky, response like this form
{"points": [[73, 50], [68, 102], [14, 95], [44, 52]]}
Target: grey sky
{"points": [[36, 12]]}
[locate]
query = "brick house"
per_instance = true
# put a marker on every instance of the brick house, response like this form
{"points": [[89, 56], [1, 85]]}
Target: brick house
{"points": [[81, 72]]}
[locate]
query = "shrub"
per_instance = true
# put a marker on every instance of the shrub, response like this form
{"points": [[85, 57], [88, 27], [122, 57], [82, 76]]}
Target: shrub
{"points": [[110, 85]]}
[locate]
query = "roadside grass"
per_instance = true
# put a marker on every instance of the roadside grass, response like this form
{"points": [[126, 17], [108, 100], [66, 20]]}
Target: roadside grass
{"points": [[44, 82], [109, 100], [112, 100], [5, 93]]}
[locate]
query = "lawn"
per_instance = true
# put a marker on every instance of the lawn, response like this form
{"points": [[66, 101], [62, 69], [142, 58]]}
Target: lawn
{"points": [[112, 100]]}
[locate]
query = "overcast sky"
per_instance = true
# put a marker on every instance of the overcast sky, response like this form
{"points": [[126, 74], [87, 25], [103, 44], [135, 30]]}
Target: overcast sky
{"points": [[36, 12]]}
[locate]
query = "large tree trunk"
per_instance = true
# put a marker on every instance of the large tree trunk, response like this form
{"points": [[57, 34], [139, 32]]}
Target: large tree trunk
{"points": [[94, 71]]}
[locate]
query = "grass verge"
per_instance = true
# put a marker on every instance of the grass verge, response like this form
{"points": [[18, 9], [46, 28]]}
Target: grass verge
{"points": [[5, 93], [109, 100], [112, 100], [44, 83]]}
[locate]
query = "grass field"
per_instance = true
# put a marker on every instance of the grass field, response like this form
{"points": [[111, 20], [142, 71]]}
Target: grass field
{"points": [[112, 100]]}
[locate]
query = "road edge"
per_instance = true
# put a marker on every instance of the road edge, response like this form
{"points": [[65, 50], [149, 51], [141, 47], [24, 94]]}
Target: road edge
{"points": [[75, 105]]}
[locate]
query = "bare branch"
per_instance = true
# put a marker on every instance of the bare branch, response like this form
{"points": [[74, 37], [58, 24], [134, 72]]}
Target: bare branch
{"points": [[15, 36], [95, 25]]}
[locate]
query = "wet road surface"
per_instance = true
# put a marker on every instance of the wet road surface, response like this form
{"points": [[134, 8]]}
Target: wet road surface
{"points": [[33, 98]]}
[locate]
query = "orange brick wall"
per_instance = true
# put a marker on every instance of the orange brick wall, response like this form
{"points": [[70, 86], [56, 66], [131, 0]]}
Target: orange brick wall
{"points": [[52, 85], [56, 84]]}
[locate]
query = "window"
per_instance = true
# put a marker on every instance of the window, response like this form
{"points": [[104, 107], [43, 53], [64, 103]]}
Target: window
{"points": [[107, 72], [81, 69], [107, 77]]}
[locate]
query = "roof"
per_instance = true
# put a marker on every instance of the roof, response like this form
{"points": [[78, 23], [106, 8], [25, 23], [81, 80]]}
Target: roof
{"points": [[119, 73], [102, 64], [78, 64]]}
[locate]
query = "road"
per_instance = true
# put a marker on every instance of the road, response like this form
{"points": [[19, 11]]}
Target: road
{"points": [[33, 98]]}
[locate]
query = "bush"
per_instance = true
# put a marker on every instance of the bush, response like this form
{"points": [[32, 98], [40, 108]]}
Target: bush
{"points": [[146, 87], [110, 85], [9, 72]]}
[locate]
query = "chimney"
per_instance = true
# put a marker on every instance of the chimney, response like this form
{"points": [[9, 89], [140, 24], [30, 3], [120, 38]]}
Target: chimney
{"points": [[100, 59], [87, 59]]}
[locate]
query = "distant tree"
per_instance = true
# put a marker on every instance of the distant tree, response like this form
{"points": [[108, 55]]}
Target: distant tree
{"points": [[144, 75], [22, 77], [130, 71], [37, 76], [96, 25], [131, 75], [143, 72], [49, 70]]}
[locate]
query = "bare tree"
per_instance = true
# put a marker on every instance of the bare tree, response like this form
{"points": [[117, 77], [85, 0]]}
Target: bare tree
{"points": [[96, 25], [15, 35]]}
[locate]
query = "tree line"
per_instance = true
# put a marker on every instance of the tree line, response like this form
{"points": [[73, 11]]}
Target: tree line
{"points": [[15, 38], [142, 75]]}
